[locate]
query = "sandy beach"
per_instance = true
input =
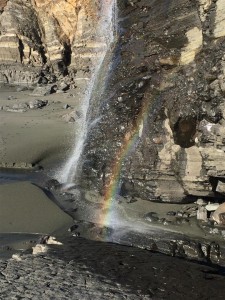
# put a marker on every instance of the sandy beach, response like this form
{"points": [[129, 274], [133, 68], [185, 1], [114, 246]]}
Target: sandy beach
{"points": [[35, 136], [35, 144]]}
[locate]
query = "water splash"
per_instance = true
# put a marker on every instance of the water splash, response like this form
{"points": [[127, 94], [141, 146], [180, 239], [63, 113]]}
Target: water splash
{"points": [[105, 34]]}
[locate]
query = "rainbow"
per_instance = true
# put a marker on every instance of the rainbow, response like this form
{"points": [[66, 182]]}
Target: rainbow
{"points": [[130, 142]]}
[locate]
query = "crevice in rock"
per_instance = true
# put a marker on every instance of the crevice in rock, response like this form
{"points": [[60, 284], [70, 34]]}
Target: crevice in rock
{"points": [[21, 50], [67, 52], [213, 182], [42, 54], [184, 131]]}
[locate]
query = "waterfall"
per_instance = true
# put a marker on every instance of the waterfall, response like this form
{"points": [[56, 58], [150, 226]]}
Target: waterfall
{"points": [[105, 34]]}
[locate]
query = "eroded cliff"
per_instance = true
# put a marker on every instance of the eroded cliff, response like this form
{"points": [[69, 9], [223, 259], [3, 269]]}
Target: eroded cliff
{"points": [[53, 36], [160, 132], [162, 129]]}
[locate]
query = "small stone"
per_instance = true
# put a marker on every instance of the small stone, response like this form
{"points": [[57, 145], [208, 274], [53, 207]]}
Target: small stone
{"points": [[161, 220], [16, 257], [22, 88], [201, 202], [64, 86], [52, 241], [44, 90], [193, 214], [37, 103], [166, 223], [151, 217], [66, 106], [70, 117], [212, 206], [202, 213], [185, 215], [171, 213], [39, 249], [218, 215]]}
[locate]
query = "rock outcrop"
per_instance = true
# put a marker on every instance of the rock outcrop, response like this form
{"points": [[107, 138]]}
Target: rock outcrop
{"points": [[38, 37], [161, 134]]}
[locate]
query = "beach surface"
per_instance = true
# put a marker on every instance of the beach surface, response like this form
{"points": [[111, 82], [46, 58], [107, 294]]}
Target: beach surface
{"points": [[34, 145], [38, 136], [81, 269]]}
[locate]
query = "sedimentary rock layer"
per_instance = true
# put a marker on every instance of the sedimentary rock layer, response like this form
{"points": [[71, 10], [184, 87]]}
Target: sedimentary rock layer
{"points": [[57, 34], [161, 134]]}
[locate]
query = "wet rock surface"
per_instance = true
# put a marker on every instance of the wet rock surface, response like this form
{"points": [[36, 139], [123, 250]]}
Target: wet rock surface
{"points": [[162, 111], [86, 269]]}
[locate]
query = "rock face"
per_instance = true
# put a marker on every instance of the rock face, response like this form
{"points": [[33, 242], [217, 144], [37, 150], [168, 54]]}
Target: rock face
{"points": [[39, 37], [161, 135]]}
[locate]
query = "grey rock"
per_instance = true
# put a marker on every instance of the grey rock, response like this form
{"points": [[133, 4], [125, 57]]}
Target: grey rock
{"points": [[66, 106], [202, 214], [37, 103], [151, 217], [171, 213], [44, 90]]}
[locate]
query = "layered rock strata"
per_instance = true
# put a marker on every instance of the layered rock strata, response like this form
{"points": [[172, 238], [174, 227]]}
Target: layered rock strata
{"points": [[162, 125], [160, 130], [48, 37]]}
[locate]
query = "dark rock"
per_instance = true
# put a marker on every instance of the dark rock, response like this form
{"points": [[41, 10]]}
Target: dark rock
{"points": [[52, 184], [171, 213], [66, 106]]}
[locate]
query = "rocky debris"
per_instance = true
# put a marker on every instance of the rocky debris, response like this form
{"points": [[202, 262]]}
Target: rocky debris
{"points": [[151, 217], [71, 117], [44, 90], [66, 106], [179, 156], [18, 107], [219, 215], [63, 86], [18, 165], [202, 214], [212, 206], [37, 103], [11, 98], [201, 202], [84, 269], [21, 88], [37, 249]]}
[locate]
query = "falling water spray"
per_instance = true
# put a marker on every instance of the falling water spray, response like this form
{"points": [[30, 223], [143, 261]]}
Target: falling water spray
{"points": [[105, 33]]}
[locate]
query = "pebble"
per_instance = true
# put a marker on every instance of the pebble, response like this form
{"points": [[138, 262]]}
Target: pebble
{"points": [[212, 206], [201, 202], [202, 213], [66, 106], [151, 217]]}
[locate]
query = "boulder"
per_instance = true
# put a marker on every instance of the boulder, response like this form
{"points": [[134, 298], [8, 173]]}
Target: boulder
{"points": [[219, 215], [37, 103], [44, 90]]}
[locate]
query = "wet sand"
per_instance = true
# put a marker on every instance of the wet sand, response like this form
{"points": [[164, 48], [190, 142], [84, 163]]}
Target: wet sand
{"points": [[26, 209], [79, 269], [36, 136]]}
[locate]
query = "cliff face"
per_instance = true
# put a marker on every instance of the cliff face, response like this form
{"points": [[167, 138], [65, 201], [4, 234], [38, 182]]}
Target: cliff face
{"points": [[162, 129], [58, 34]]}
